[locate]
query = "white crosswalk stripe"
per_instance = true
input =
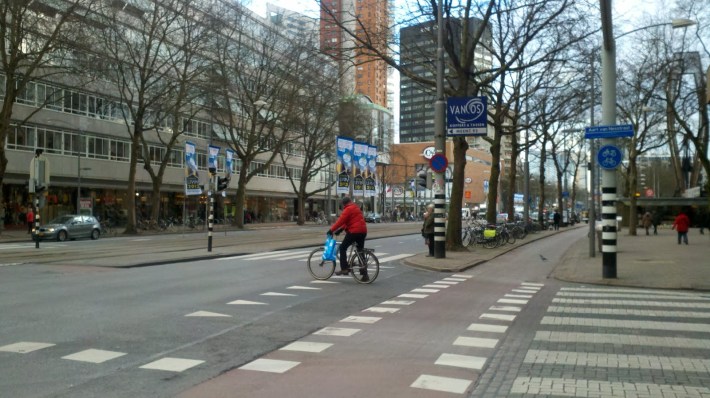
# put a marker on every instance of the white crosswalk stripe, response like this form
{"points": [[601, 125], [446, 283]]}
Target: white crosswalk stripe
{"points": [[302, 255], [640, 342]]}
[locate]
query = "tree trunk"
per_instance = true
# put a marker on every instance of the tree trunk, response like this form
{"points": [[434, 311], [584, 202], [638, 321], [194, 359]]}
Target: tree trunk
{"points": [[131, 188], [453, 228], [155, 199], [633, 214], [239, 201]]}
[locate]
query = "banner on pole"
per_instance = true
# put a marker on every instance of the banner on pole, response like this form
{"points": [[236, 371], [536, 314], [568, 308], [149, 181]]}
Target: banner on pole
{"points": [[344, 166], [370, 183], [360, 151], [192, 181]]}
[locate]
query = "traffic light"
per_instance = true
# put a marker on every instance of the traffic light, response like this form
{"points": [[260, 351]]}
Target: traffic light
{"points": [[222, 183], [422, 178]]}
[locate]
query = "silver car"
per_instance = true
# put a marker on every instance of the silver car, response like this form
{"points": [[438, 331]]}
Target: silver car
{"points": [[69, 226]]}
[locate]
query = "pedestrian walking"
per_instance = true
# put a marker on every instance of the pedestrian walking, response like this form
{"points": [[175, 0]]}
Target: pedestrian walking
{"points": [[656, 221], [681, 224], [556, 218], [30, 217], [647, 221], [428, 229]]}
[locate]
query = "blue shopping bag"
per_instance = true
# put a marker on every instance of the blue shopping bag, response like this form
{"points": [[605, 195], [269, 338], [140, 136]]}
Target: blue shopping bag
{"points": [[329, 249]]}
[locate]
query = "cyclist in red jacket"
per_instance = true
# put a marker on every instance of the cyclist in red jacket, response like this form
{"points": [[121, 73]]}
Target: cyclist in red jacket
{"points": [[353, 222]]}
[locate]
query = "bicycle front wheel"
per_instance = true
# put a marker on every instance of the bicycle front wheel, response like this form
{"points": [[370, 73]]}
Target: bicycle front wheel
{"points": [[319, 268], [364, 272]]}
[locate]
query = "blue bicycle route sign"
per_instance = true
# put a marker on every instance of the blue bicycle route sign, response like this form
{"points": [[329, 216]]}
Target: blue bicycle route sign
{"points": [[466, 116], [609, 157], [614, 131]]}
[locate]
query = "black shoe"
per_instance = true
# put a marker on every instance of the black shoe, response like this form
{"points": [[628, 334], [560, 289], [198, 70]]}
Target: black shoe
{"points": [[343, 272], [364, 278]]}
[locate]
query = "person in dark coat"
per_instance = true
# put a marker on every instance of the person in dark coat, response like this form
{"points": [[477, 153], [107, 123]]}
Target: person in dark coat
{"points": [[428, 229]]}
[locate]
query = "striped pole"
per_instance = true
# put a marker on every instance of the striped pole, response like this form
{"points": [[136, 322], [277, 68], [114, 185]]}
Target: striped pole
{"points": [[609, 222], [37, 217], [439, 224], [210, 223]]}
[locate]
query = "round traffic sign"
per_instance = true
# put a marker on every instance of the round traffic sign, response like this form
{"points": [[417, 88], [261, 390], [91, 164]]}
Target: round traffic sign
{"points": [[609, 157], [438, 163]]}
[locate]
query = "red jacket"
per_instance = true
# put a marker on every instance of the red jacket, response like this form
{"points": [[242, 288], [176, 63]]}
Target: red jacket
{"points": [[681, 223], [351, 219]]}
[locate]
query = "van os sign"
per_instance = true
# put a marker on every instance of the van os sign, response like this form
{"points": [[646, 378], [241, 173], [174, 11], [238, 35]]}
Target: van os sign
{"points": [[466, 116]]}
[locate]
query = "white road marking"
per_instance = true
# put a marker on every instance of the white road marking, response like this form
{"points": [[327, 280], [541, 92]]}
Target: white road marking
{"points": [[246, 302], [626, 324], [505, 308], [437, 286], [270, 365], [398, 302], [627, 295], [425, 290], [306, 346], [409, 295], [24, 347], [445, 384], [361, 319], [628, 311], [303, 288], [635, 303], [462, 276], [475, 342], [512, 301], [621, 290], [209, 314], [277, 294], [318, 281], [274, 254], [445, 282], [518, 296], [461, 361], [172, 364], [484, 327], [500, 317], [452, 279], [524, 291], [94, 356], [606, 360], [393, 258], [622, 339], [340, 332], [388, 310], [532, 284], [553, 386]]}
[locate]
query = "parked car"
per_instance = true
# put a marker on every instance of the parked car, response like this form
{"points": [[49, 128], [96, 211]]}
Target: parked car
{"points": [[70, 226], [373, 217]]}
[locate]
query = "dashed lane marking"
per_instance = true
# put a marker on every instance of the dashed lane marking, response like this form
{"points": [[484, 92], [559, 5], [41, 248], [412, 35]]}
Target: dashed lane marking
{"points": [[303, 288], [277, 294], [398, 302], [410, 295], [512, 301], [538, 285], [387, 310], [518, 296], [425, 290], [94, 356], [434, 286], [505, 308]]}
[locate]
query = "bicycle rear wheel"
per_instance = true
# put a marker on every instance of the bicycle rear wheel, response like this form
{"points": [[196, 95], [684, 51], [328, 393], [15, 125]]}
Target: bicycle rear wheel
{"points": [[319, 268], [367, 272], [466, 238]]}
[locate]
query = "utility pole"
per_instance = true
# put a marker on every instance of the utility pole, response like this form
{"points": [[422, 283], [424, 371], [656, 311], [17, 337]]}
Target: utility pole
{"points": [[439, 142]]}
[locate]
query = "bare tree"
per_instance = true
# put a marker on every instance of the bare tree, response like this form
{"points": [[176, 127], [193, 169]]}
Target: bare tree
{"points": [[35, 42], [139, 42], [513, 27], [258, 67], [313, 123]]}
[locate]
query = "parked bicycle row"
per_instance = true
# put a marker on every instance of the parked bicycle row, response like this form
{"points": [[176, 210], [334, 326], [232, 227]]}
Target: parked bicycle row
{"points": [[480, 233]]}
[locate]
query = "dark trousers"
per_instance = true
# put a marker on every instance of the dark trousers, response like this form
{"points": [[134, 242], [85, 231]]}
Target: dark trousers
{"points": [[430, 242], [683, 236], [358, 239]]}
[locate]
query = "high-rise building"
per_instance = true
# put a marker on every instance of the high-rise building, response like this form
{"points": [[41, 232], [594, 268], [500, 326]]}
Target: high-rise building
{"points": [[369, 74], [418, 51]]}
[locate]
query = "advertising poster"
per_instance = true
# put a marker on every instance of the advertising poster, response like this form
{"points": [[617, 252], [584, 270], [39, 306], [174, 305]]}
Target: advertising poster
{"points": [[344, 167], [229, 161], [192, 182], [370, 181], [212, 158], [360, 151]]}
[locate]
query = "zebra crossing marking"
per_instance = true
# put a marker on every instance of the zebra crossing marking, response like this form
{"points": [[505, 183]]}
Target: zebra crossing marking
{"points": [[208, 314], [621, 339], [172, 364], [24, 347], [626, 303], [475, 342], [461, 361], [306, 346], [505, 308], [361, 319], [500, 317], [445, 384], [269, 365], [398, 302], [420, 290], [245, 302], [605, 360], [622, 290], [410, 295], [512, 301], [485, 327], [388, 310], [435, 286], [628, 311], [526, 296], [339, 332], [394, 257], [94, 356], [277, 294], [626, 324], [555, 386], [625, 295]]}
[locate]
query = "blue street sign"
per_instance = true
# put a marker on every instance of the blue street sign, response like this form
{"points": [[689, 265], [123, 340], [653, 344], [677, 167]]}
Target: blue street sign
{"points": [[615, 131], [609, 157], [466, 116]]}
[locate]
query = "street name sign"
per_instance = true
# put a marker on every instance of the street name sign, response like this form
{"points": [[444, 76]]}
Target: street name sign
{"points": [[614, 131]]}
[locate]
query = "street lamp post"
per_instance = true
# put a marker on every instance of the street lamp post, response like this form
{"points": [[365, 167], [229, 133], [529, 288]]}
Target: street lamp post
{"points": [[608, 53]]}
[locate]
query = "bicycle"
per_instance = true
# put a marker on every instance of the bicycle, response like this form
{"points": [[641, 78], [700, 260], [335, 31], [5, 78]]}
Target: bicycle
{"points": [[364, 265]]}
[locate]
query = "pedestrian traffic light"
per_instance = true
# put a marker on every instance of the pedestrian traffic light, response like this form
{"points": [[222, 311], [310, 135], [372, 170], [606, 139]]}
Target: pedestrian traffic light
{"points": [[422, 178], [222, 183]]}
